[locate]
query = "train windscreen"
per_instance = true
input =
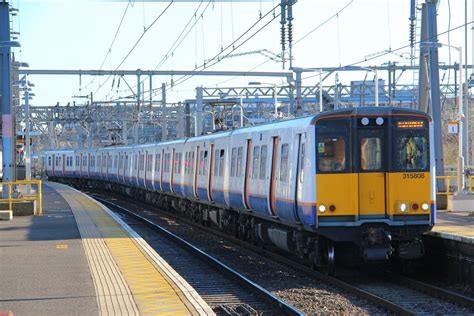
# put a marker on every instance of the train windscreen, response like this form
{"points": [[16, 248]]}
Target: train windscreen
{"points": [[411, 150]]}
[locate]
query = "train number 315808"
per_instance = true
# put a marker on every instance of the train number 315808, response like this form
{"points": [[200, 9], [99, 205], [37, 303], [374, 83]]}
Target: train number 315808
{"points": [[413, 176]]}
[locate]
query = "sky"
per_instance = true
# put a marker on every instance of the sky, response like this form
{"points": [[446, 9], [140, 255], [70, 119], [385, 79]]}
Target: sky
{"points": [[77, 34]]}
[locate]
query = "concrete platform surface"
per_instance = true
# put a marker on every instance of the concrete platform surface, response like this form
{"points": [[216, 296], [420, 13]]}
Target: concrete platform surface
{"points": [[43, 267], [457, 226], [82, 259]]}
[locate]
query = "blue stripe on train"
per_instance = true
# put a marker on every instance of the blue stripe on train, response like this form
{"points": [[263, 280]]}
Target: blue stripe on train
{"points": [[177, 189], [218, 196], [166, 186], [149, 184], [433, 213], [202, 194], [258, 204], [235, 200], [188, 190]]}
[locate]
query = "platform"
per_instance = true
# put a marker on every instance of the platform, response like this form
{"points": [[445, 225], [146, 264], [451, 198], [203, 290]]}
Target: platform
{"points": [[458, 226], [79, 258]]}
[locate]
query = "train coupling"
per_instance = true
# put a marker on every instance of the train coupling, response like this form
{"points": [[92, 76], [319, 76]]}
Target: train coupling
{"points": [[376, 245]]}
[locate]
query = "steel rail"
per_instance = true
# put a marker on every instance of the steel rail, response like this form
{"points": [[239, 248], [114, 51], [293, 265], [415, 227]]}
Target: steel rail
{"points": [[436, 291], [370, 297], [285, 307]]}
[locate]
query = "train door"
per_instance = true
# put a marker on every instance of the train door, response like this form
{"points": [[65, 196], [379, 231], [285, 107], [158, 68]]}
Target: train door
{"points": [[196, 167], [299, 171], [173, 162], [108, 163], [145, 165], [63, 164], [211, 168], [247, 174], [372, 167], [273, 174], [88, 165], [80, 166]]}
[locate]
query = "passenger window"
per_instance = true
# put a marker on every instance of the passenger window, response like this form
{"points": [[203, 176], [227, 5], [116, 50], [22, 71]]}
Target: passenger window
{"points": [[302, 154], [149, 163], [284, 163], [256, 160], [263, 162], [238, 170], [370, 153], [216, 162], [177, 163], [157, 162], [221, 163], [234, 161], [204, 172], [201, 163], [332, 154]]}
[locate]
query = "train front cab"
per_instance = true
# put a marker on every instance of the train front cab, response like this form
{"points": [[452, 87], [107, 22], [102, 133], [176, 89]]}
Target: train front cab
{"points": [[373, 183]]}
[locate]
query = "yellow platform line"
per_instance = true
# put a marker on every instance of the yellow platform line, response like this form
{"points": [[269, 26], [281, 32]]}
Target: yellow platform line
{"points": [[151, 289]]}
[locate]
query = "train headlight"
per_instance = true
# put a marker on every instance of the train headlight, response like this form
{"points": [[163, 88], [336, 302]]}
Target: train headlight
{"points": [[322, 208], [425, 206], [379, 121], [403, 207], [364, 121]]}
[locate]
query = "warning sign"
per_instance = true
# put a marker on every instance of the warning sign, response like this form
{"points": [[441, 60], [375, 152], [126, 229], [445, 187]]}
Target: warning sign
{"points": [[453, 127]]}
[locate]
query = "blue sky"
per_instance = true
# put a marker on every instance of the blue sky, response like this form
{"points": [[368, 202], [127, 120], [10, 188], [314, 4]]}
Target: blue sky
{"points": [[74, 34]]}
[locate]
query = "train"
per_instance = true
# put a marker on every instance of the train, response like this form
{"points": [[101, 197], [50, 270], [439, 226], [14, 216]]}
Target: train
{"points": [[361, 177]]}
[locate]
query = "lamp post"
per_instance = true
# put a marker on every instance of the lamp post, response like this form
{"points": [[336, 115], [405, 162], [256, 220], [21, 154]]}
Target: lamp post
{"points": [[26, 86], [461, 118], [27, 136]]}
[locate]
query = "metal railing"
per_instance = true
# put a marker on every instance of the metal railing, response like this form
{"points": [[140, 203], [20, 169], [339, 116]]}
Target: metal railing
{"points": [[449, 179], [447, 182], [26, 195]]}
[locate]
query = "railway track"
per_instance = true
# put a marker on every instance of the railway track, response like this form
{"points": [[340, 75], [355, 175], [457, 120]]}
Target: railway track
{"points": [[225, 290], [414, 297], [398, 294]]}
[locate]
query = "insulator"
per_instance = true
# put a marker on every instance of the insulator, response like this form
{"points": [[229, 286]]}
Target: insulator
{"points": [[290, 33], [412, 34], [283, 36]]}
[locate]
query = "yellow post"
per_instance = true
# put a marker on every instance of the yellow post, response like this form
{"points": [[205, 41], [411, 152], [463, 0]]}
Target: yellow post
{"points": [[10, 202], [40, 198], [448, 190]]}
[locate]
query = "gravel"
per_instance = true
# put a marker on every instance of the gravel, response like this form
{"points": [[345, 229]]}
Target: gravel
{"points": [[305, 293]]}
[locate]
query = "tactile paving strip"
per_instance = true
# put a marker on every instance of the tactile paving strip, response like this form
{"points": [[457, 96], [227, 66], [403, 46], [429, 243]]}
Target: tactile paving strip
{"points": [[154, 285]]}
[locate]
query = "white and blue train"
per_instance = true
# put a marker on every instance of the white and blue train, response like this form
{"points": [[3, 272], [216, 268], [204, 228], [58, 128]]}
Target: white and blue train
{"points": [[300, 185]]}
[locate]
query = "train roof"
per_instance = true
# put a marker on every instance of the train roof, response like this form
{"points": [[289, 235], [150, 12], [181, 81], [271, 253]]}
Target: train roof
{"points": [[296, 122]]}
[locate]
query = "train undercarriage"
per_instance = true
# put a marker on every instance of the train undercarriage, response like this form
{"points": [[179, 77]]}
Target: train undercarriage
{"points": [[367, 243]]}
